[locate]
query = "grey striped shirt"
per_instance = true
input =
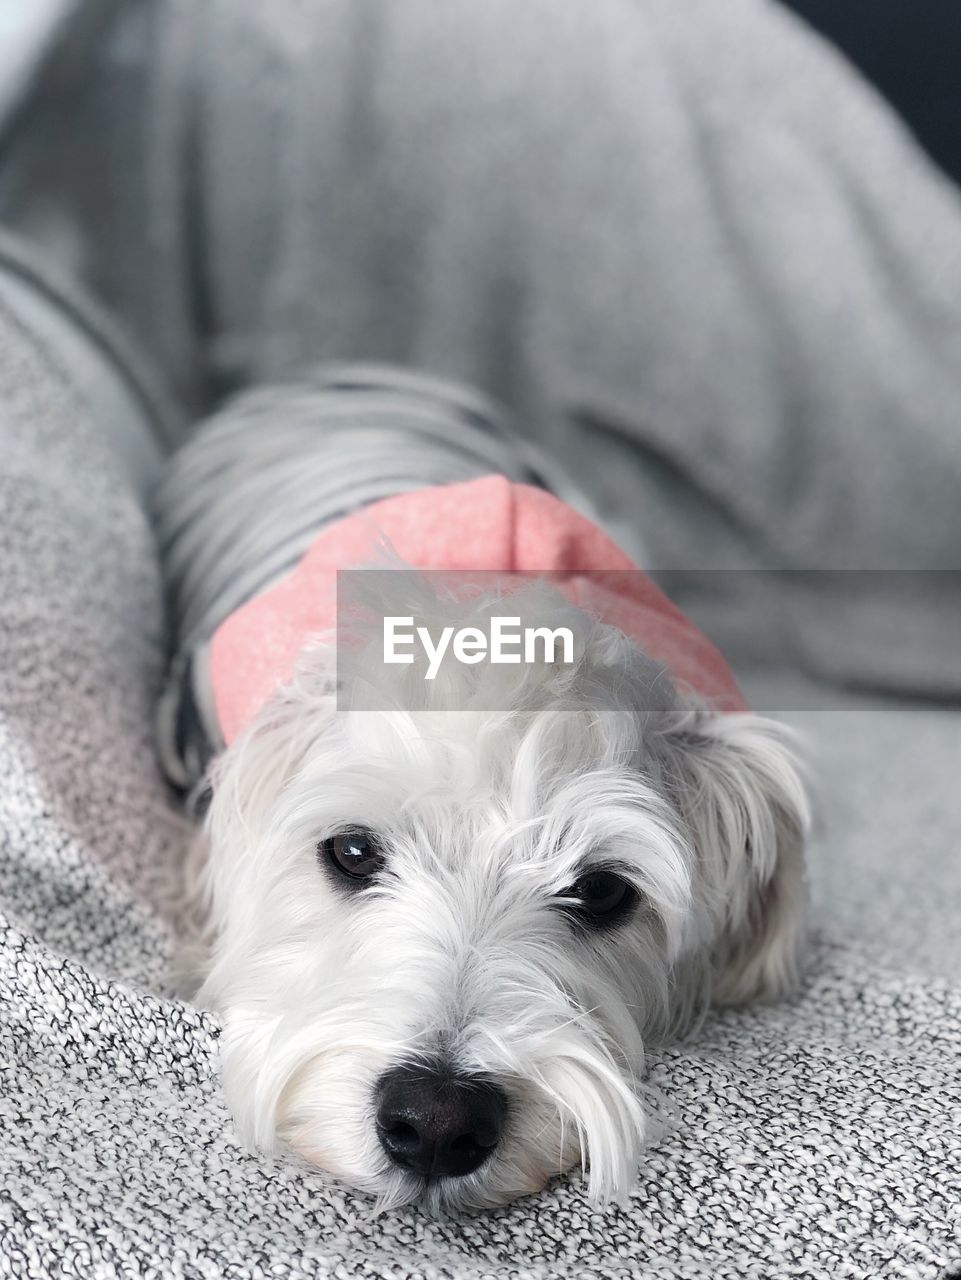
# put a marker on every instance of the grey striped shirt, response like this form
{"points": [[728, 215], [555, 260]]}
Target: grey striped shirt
{"points": [[242, 501]]}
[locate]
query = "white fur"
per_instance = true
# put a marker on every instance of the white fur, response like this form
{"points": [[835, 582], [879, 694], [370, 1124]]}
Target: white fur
{"points": [[488, 816]]}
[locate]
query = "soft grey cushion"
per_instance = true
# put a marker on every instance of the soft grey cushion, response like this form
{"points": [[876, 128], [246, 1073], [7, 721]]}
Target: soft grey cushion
{"points": [[818, 1139], [687, 226], [684, 243]]}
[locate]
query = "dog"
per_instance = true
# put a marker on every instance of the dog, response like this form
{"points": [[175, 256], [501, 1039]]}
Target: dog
{"points": [[442, 917]]}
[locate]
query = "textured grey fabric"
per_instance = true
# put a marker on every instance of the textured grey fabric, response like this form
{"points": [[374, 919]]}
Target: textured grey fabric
{"points": [[95, 166], [241, 501], [816, 1140], [683, 243], [27, 34], [120, 388], [762, 328]]}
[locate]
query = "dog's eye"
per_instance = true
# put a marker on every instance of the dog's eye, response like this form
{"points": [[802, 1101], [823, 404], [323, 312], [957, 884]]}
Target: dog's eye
{"points": [[356, 854], [600, 898]]}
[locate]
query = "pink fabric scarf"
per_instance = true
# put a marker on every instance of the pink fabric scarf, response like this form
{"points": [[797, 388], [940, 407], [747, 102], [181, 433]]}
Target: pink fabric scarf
{"points": [[490, 524]]}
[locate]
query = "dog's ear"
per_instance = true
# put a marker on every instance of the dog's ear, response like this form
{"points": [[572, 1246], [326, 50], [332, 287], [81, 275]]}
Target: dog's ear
{"points": [[246, 780], [245, 783], [740, 790]]}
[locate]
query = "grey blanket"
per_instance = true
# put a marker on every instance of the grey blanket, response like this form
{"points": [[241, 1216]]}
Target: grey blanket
{"points": [[688, 229], [683, 243]]}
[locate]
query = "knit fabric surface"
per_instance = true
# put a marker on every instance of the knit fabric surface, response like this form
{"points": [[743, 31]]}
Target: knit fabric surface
{"points": [[689, 248], [819, 1140]]}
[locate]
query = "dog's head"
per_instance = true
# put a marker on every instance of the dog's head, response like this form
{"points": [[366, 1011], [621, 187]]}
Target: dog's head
{"points": [[440, 939]]}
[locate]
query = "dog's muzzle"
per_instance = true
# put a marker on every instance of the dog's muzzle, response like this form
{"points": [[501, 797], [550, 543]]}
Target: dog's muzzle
{"points": [[437, 1123]]}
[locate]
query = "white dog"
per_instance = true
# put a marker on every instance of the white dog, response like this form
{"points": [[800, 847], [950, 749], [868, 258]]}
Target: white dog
{"points": [[440, 939], [442, 918]]}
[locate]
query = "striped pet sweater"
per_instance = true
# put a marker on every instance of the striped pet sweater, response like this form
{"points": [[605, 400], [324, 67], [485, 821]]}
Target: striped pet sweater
{"points": [[269, 499]]}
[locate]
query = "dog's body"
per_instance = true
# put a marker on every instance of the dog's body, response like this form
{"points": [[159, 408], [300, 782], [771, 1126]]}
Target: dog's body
{"points": [[440, 932]]}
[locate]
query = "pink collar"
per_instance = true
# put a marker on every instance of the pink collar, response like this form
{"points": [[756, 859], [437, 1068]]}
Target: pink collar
{"points": [[489, 523]]}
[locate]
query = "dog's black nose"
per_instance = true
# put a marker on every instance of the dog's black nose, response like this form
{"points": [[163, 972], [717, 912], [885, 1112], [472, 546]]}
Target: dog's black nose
{"points": [[437, 1123]]}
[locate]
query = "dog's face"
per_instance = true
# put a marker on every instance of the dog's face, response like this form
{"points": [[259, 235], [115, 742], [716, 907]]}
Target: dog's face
{"points": [[440, 939]]}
